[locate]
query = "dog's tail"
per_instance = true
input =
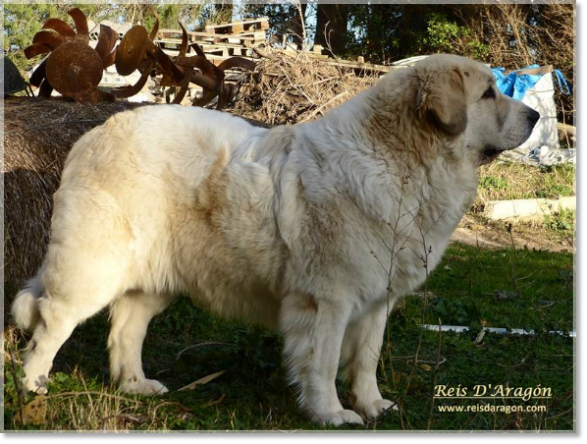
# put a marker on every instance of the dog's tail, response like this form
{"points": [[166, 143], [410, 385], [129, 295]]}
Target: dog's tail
{"points": [[25, 308]]}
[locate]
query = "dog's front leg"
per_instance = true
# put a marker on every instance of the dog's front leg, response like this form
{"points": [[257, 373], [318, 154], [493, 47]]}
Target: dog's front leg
{"points": [[360, 354], [313, 330]]}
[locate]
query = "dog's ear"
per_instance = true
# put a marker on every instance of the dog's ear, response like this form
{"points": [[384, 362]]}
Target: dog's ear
{"points": [[442, 99]]}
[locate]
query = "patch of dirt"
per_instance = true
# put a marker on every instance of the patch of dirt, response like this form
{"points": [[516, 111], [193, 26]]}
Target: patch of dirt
{"points": [[524, 234]]}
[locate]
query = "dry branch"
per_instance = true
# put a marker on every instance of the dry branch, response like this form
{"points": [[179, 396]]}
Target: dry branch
{"points": [[293, 88]]}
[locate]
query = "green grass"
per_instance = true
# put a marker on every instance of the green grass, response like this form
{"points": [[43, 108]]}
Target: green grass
{"points": [[536, 290], [511, 180]]}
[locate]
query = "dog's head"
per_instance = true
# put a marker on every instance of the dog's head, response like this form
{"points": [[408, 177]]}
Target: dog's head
{"points": [[458, 97]]}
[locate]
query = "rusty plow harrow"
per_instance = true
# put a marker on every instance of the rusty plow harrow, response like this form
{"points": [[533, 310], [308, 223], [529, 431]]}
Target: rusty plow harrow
{"points": [[75, 69]]}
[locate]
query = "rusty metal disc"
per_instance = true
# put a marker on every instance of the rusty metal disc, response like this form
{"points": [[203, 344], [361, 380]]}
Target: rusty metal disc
{"points": [[237, 62], [131, 50], [74, 67]]}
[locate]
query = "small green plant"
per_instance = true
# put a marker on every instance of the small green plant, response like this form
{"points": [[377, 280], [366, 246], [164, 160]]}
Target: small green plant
{"points": [[556, 180], [562, 220], [479, 49], [459, 312], [493, 183]]}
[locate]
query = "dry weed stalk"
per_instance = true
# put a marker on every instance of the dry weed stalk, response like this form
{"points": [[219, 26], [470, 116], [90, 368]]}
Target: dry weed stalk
{"points": [[408, 225]]}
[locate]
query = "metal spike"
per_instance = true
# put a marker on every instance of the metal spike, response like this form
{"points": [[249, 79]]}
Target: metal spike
{"points": [[106, 41], [127, 91], [155, 29], [184, 40], [35, 49], [49, 38], [39, 74], [45, 89], [60, 26], [81, 23]]}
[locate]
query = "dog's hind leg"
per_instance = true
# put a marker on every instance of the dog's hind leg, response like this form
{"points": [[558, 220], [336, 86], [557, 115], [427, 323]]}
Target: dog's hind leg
{"points": [[85, 269], [313, 331], [361, 349], [60, 310], [130, 316]]}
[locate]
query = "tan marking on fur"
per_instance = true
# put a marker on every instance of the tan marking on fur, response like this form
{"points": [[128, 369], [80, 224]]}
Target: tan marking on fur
{"points": [[444, 96], [418, 144], [211, 196]]}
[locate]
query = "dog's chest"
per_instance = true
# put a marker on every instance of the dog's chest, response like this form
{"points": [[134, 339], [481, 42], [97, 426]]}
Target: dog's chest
{"points": [[400, 253]]}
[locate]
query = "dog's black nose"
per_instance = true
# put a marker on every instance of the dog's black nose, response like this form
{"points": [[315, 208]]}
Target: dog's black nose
{"points": [[533, 116]]}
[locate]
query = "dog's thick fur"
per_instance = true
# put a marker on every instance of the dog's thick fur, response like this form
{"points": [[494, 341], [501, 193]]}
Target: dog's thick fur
{"points": [[316, 229]]}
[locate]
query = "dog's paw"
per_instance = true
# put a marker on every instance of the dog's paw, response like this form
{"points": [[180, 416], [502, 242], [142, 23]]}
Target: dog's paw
{"points": [[143, 387], [339, 417], [373, 409]]}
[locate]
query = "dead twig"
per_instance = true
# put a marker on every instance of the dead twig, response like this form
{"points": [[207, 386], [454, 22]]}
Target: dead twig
{"points": [[124, 416], [86, 393], [203, 344], [321, 107]]}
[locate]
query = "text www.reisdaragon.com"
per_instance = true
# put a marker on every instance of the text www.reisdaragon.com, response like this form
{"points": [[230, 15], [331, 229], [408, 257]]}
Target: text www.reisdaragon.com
{"points": [[489, 408]]}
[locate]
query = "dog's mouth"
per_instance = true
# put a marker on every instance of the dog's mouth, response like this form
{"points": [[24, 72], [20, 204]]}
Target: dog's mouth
{"points": [[490, 152]]}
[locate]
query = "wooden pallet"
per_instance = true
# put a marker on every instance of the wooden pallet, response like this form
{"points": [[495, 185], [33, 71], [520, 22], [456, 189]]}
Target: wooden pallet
{"points": [[220, 42], [248, 38], [224, 51], [255, 25]]}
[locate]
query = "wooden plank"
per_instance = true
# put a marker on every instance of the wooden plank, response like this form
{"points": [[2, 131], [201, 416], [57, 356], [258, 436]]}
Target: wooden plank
{"points": [[293, 53], [365, 66], [569, 129], [253, 37], [236, 27]]}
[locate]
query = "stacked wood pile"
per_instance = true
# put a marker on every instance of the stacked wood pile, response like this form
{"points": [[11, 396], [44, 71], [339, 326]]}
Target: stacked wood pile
{"points": [[218, 41], [242, 38]]}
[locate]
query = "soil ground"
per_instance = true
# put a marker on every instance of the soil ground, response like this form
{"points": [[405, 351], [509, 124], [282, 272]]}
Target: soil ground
{"points": [[525, 234]]}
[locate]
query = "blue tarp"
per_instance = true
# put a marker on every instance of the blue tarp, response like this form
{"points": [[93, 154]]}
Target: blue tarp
{"points": [[515, 85]]}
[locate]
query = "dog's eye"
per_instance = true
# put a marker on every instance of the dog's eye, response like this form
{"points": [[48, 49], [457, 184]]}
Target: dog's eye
{"points": [[489, 94]]}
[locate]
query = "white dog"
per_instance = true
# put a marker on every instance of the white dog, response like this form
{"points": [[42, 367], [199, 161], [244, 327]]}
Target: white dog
{"points": [[316, 229]]}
